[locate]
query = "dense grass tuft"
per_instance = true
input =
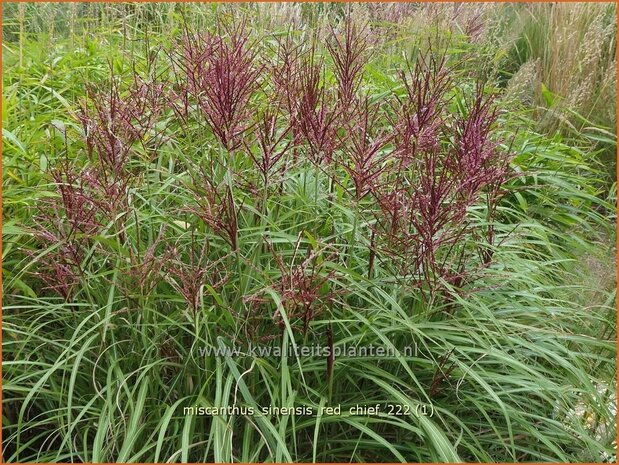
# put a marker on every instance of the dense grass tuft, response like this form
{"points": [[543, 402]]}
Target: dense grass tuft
{"points": [[177, 186]]}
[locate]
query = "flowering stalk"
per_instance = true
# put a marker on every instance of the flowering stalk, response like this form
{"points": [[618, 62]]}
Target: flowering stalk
{"points": [[215, 206], [349, 52], [303, 289], [113, 122], [444, 164], [189, 278], [317, 118], [364, 147], [272, 143], [65, 224], [222, 74]]}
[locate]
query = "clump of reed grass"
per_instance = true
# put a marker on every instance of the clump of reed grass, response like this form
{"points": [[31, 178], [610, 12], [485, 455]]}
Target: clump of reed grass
{"points": [[231, 188], [576, 37]]}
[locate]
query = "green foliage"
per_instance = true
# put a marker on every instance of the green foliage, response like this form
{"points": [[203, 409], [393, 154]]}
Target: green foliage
{"points": [[517, 366]]}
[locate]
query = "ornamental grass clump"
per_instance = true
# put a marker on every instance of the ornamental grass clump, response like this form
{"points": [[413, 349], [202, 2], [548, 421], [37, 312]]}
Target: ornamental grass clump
{"points": [[407, 160], [192, 222]]}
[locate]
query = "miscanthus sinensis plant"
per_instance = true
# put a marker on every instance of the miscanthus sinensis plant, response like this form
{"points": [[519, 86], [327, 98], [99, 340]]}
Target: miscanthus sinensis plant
{"points": [[235, 190]]}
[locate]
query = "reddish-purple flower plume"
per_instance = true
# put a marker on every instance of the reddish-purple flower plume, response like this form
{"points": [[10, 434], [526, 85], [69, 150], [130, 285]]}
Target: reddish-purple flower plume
{"points": [[215, 206], [189, 275], [114, 121], [303, 288], [222, 74], [273, 140], [363, 146], [349, 52], [444, 164], [420, 113], [64, 224], [316, 115]]}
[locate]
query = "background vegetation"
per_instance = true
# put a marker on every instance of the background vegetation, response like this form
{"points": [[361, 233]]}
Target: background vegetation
{"points": [[193, 234]]}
